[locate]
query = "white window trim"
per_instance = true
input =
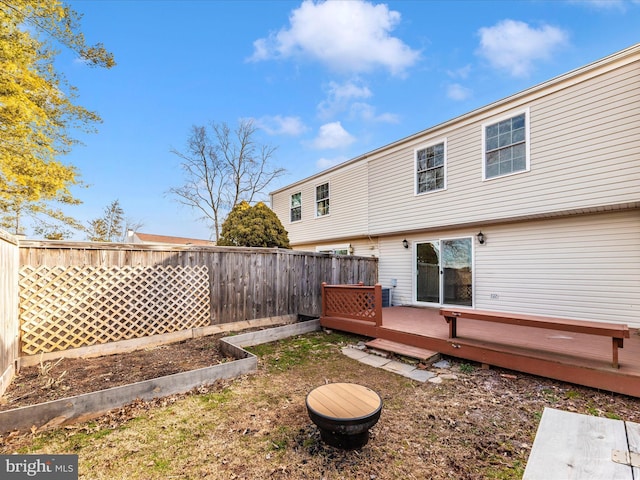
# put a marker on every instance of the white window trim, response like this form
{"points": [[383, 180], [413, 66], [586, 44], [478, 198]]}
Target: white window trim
{"points": [[527, 135], [291, 208], [415, 167], [332, 248], [315, 199]]}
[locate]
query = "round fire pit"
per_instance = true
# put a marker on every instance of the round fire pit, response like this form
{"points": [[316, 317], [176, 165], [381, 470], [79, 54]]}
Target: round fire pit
{"points": [[344, 413]]}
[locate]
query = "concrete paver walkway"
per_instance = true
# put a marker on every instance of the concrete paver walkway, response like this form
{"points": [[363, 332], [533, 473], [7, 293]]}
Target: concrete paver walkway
{"points": [[394, 366]]}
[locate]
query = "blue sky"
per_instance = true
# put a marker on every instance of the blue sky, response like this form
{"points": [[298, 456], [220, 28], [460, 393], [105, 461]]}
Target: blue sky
{"points": [[324, 81]]}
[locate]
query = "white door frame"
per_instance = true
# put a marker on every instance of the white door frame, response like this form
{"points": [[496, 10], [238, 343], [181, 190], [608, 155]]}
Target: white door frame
{"points": [[414, 268]]}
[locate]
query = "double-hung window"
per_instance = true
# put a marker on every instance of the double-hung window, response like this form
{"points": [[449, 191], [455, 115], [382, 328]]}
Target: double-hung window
{"points": [[322, 200], [430, 168], [506, 146], [296, 207]]}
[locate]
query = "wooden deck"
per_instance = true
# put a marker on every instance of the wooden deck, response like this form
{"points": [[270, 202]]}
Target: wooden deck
{"points": [[576, 358]]}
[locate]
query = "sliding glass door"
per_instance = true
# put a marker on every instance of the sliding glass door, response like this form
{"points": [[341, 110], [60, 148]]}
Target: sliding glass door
{"points": [[444, 272], [428, 272]]}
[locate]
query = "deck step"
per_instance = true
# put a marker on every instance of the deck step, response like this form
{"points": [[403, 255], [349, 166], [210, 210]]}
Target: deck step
{"points": [[402, 349]]}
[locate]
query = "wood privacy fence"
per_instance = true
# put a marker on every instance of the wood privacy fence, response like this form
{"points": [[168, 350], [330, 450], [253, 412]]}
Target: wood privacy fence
{"points": [[9, 326], [80, 294]]}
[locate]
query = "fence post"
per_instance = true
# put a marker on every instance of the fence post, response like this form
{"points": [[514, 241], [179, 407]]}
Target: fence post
{"points": [[377, 299], [323, 307], [9, 299]]}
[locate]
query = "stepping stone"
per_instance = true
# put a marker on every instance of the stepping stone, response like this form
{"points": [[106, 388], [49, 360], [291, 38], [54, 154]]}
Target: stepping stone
{"points": [[442, 364], [398, 367], [354, 353], [374, 360], [420, 375]]}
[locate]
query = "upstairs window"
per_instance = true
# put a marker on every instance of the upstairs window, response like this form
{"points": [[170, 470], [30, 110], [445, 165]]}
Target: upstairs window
{"points": [[506, 148], [296, 207], [322, 200], [430, 168]]}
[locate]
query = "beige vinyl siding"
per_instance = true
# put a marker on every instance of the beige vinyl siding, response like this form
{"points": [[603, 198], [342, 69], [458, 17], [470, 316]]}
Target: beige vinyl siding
{"points": [[397, 263], [365, 247], [585, 152], [583, 267], [347, 217], [281, 205], [362, 247]]}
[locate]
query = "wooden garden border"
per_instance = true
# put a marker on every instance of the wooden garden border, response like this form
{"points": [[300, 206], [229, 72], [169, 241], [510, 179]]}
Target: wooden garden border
{"points": [[84, 407]]}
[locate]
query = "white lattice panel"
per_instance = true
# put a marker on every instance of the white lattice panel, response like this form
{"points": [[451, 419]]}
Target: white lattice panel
{"points": [[70, 307]]}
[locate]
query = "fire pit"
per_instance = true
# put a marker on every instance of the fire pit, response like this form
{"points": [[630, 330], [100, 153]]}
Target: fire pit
{"points": [[344, 413]]}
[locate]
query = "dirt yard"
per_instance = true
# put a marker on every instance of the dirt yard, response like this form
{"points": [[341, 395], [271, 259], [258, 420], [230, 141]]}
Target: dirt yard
{"points": [[52, 380], [480, 425]]}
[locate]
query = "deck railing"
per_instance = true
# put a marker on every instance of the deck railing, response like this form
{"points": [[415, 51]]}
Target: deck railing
{"points": [[357, 302]]}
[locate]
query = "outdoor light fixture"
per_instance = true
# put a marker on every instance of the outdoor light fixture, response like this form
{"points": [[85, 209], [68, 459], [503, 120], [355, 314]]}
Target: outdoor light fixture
{"points": [[405, 244], [480, 238]]}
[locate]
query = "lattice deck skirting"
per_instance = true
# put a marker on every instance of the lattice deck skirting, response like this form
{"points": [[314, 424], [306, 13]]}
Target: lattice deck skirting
{"points": [[70, 307], [358, 304]]}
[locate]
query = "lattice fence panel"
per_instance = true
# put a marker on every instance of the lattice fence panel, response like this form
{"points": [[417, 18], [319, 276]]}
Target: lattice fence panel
{"points": [[70, 307], [358, 304]]}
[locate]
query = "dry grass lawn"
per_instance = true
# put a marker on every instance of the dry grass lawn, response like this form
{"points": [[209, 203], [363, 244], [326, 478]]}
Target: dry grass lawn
{"points": [[480, 426]]}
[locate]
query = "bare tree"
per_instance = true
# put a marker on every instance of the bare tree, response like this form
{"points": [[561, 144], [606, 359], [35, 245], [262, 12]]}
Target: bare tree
{"points": [[223, 168], [107, 228], [132, 225]]}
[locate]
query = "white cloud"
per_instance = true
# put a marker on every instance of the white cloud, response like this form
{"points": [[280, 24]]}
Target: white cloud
{"points": [[332, 135], [604, 4], [343, 98], [339, 97], [462, 72], [455, 91], [324, 163], [349, 90], [514, 46], [368, 113], [279, 125], [347, 36]]}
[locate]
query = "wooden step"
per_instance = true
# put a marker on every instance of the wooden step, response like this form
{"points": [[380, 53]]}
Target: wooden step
{"points": [[402, 349]]}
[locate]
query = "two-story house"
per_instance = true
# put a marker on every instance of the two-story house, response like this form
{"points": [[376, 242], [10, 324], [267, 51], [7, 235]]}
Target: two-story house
{"points": [[530, 204]]}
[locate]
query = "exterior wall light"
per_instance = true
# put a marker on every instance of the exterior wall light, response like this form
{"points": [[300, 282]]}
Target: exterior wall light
{"points": [[405, 244], [480, 237]]}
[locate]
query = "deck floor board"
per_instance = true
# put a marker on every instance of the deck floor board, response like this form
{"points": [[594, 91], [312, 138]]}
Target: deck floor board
{"points": [[577, 358]]}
